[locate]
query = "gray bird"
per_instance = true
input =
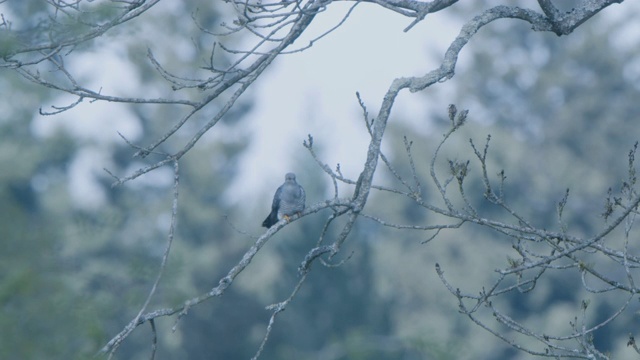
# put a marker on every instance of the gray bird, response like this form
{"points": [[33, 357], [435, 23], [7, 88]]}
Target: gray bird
{"points": [[288, 201]]}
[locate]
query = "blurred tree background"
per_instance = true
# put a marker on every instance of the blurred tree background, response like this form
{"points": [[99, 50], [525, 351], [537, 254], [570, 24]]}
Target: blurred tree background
{"points": [[561, 113]]}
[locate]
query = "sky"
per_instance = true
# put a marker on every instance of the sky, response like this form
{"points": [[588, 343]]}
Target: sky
{"points": [[314, 92]]}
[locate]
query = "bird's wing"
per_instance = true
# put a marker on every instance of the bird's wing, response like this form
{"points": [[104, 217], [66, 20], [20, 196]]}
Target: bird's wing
{"points": [[303, 196], [277, 197]]}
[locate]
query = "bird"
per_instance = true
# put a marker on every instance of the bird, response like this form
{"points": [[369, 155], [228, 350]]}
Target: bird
{"points": [[288, 200]]}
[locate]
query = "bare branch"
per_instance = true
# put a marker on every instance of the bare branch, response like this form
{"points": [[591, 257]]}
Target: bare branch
{"points": [[223, 283]]}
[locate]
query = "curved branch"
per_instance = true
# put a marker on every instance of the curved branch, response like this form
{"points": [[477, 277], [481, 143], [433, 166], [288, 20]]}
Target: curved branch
{"points": [[135, 9], [223, 283]]}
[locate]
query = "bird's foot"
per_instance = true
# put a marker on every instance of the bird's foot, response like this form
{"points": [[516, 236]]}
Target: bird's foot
{"points": [[289, 218]]}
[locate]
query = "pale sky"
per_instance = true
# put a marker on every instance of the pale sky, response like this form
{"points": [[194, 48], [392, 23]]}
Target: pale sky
{"points": [[314, 91]]}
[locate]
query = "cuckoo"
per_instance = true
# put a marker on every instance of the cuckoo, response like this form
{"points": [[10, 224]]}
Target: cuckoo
{"points": [[288, 201]]}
